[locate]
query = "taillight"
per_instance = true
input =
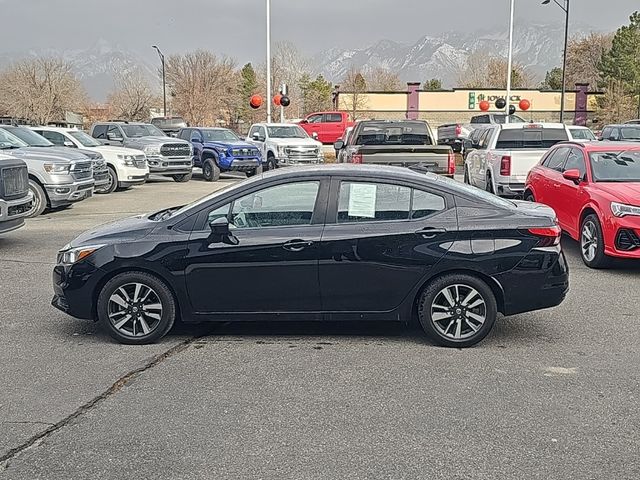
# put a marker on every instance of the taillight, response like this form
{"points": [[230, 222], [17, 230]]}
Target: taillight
{"points": [[451, 163], [356, 158], [505, 166], [458, 130], [549, 236]]}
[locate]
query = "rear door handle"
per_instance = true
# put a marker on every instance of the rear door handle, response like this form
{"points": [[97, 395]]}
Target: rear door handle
{"points": [[297, 245], [430, 232]]}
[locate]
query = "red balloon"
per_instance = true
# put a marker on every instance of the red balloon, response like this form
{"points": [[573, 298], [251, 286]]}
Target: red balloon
{"points": [[276, 99], [524, 104], [256, 101], [484, 105]]}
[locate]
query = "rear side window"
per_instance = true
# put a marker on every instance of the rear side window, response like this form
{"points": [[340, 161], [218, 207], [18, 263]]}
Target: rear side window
{"points": [[100, 131], [556, 158], [333, 118], [530, 138]]}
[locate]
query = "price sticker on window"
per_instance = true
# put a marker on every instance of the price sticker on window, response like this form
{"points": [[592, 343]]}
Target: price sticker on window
{"points": [[362, 200]]}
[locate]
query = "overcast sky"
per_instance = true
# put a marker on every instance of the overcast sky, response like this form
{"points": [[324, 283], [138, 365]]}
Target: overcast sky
{"points": [[236, 27]]}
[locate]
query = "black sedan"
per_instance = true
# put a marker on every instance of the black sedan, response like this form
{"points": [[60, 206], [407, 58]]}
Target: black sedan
{"points": [[341, 242]]}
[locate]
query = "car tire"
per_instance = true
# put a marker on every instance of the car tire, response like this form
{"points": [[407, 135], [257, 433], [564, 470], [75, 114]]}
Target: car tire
{"points": [[112, 185], [39, 203], [182, 178], [592, 243], [528, 197], [271, 162], [117, 301], [457, 310], [489, 184], [210, 171], [256, 171]]}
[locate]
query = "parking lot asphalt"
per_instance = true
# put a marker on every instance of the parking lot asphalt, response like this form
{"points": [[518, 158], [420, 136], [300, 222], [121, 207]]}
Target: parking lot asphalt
{"points": [[550, 394]]}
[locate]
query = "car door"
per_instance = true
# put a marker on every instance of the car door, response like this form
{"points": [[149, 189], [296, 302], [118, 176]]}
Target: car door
{"points": [[195, 138], [272, 265], [56, 138], [548, 188], [332, 128], [480, 159], [380, 240], [572, 196]]}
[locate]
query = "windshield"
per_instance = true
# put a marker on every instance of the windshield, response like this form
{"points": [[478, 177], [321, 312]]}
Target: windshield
{"points": [[85, 139], [615, 166], [582, 134], [512, 119], [530, 138], [288, 131], [395, 133], [219, 135], [630, 133], [29, 137], [8, 140], [169, 122], [143, 130]]}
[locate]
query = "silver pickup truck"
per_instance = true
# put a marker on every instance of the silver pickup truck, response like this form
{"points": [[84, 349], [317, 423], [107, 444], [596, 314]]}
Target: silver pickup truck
{"points": [[54, 180], [406, 143], [15, 198]]}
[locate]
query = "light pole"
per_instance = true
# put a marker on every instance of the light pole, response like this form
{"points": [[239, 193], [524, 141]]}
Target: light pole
{"points": [[565, 8], [164, 81], [509, 62], [268, 99]]}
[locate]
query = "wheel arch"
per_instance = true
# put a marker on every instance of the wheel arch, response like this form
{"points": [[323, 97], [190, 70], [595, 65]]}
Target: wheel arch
{"points": [[36, 179]]}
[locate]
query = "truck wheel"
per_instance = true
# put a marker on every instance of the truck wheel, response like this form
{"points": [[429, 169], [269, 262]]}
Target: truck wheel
{"points": [[39, 203], [489, 184], [256, 171], [182, 178], [210, 171], [271, 162], [466, 176], [113, 182]]}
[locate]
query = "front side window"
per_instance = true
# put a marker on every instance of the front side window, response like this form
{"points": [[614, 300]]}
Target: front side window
{"points": [[54, 137], [100, 131], [114, 132], [315, 118], [556, 159], [575, 161], [84, 139]]}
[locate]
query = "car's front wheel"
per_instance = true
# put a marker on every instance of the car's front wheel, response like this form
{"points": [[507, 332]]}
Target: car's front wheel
{"points": [[592, 243], [111, 186], [256, 171], [457, 310], [39, 203], [182, 178], [271, 162], [136, 308], [210, 171]]}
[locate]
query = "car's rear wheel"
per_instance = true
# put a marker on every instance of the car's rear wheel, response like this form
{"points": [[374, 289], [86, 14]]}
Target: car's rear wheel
{"points": [[210, 171], [528, 197], [39, 203], [182, 178], [271, 162], [136, 308], [457, 310], [111, 186], [592, 243], [489, 184]]}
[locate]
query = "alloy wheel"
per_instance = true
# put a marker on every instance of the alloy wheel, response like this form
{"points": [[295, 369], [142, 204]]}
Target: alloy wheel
{"points": [[134, 309], [458, 311], [589, 241]]}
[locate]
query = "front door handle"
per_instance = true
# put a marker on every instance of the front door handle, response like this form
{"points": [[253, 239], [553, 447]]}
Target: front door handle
{"points": [[297, 245], [430, 232]]}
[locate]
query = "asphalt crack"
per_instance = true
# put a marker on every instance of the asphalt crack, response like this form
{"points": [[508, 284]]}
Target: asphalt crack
{"points": [[91, 404]]}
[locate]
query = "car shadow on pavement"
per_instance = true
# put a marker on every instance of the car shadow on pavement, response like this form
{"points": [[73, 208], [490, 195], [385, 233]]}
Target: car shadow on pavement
{"points": [[572, 249]]}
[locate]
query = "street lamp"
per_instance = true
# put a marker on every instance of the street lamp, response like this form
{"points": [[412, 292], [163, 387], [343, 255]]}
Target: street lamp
{"points": [[565, 8], [164, 81]]}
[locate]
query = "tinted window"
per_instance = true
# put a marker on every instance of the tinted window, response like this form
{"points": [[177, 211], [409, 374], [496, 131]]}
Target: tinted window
{"points": [[54, 137], [100, 131], [195, 134], [630, 133], [219, 135], [394, 133], [582, 134], [333, 117], [556, 158], [315, 118], [521, 138], [366, 202], [425, 204], [114, 132], [480, 119], [575, 161], [606, 132], [615, 166], [184, 134], [282, 205], [485, 138], [142, 130]]}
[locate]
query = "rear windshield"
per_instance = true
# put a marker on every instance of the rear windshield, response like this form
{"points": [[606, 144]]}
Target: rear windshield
{"points": [[142, 130], [530, 138], [169, 122], [582, 134], [397, 133], [615, 166]]}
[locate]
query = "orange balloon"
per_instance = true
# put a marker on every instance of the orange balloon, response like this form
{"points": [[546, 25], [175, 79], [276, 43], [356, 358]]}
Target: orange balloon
{"points": [[276, 99], [524, 104], [484, 105], [256, 101]]}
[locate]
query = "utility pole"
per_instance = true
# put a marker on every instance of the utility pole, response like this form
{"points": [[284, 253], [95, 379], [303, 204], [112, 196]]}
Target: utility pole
{"points": [[268, 99], [565, 9], [164, 82], [509, 62]]}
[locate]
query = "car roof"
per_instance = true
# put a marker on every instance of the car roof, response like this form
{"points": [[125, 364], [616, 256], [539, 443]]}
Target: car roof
{"points": [[521, 125], [633, 125], [349, 170], [54, 129], [599, 146], [264, 124]]}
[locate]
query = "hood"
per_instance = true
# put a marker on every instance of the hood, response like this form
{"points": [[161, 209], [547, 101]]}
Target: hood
{"points": [[624, 192], [128, 229], [58, 154], [232, 144], [92, 154], [113, 150], [156, 140], [296, 142]]}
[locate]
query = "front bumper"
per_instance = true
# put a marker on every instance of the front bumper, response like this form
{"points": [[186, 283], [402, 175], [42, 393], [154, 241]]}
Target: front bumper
{"points": [[12, 212], [66, 193], [244, 164], [170, 165], [293, 161], [73, 287], [622, 237]]}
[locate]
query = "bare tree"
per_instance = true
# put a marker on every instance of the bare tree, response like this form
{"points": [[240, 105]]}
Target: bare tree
{"points": [[584, 55], [384, 80], [475, 73], [354, 97], [617, 104], [41, 89], [132, 98], [497, 74], [198, 82]]}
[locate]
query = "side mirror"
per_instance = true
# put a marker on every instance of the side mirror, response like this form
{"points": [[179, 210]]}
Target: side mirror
{"points": [[573, 175], [304, 121], [220, 232], [114, 138], [69, 144], [612, 139], [339, 145], [314, 135], [256, 137], [196, 140], [467, 144]]}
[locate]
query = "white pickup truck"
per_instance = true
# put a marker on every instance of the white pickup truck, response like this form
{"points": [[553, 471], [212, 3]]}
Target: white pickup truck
{"points": [[504, 154]]}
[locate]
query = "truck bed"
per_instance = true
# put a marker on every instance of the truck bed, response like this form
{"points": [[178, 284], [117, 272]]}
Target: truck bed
{"points": [[432, 158]]}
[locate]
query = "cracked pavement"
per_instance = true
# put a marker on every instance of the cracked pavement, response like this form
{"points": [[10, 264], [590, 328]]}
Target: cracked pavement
{"points": [[551, 394]]}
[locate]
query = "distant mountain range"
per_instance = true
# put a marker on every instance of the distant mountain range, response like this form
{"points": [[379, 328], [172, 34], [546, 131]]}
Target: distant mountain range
{"points": [[538, 47]]}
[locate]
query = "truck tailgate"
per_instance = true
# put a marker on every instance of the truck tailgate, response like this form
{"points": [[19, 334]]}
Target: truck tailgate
{"points": [[522, 161], [434, 158]]}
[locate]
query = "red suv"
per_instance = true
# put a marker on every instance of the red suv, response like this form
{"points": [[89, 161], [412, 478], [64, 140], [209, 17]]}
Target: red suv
{"points": [[594, 189]]}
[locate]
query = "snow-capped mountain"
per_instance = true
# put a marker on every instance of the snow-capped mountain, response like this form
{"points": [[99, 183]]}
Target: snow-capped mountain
{"points": [[538, 47]]}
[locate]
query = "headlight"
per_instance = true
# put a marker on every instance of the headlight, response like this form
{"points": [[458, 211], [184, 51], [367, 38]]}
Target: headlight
{"points": [[69, 256], [282, 151], [152, 149], [222, 152], [128, 159], [57, 168], [620, 209]]}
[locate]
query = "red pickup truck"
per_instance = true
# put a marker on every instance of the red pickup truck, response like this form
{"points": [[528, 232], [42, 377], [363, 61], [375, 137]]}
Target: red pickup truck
{"points": [[329, 126]]}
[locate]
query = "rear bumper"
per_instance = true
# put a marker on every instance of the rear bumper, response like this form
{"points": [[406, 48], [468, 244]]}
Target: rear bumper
{"points": [[515, 190]]}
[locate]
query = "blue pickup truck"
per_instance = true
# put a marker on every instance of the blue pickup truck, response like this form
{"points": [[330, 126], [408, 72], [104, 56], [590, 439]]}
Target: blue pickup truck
{"points": [[217, 150]]}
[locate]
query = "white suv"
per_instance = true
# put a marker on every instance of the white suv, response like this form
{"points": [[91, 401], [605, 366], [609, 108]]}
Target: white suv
{"points": [[127, 167]]}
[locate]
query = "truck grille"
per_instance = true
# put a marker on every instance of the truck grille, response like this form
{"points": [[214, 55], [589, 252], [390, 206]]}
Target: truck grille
{"points": [[15, 181], [82, 170], [244, 152], [302, 153], [140, 161], [175, 150]]}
